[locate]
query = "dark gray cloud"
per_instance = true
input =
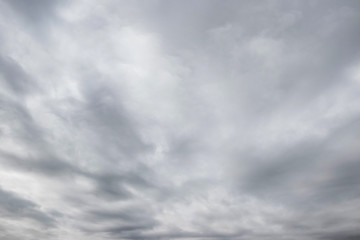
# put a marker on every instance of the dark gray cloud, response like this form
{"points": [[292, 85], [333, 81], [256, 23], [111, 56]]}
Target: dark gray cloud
{"points": [[36, 15], [281, 172], [33, 10], [179, 120], [15, 207], [14, 77]]}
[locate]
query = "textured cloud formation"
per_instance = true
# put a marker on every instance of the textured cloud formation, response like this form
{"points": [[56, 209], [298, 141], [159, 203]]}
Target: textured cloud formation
{"points": [[179, 120]]}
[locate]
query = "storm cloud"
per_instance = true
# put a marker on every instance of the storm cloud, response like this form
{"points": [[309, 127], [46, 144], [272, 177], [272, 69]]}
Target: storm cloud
{"points": [[179, 119]]}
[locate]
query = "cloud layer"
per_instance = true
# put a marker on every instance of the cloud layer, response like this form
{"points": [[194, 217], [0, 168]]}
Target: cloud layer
{"points": [[179, 120]]}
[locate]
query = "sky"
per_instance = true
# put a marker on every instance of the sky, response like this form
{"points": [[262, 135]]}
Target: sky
{"points": [[193, 120]]}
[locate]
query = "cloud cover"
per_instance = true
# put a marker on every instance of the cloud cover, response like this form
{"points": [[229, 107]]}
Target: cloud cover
{"points": [[179, 120]]}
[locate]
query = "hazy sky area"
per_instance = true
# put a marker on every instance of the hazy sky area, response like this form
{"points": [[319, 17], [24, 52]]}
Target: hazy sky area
{"points": [[180, 119]]}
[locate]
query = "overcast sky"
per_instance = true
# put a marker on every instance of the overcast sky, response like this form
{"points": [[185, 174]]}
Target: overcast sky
{"points": [[204, 119]]}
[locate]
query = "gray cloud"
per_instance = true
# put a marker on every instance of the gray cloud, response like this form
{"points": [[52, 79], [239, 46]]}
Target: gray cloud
{"points": [[179, 120], [16, 208], [14, 77], [36, 15]]}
